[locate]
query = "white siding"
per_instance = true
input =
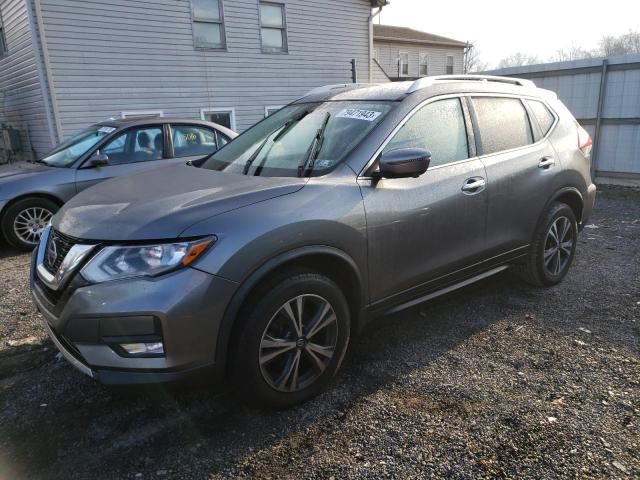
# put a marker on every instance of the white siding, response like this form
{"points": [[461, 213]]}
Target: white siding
{"points": [[107, 57], [388, 53], [21, 99]]}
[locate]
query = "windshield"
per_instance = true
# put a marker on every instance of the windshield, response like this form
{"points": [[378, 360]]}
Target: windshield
{"points": [[299, 140], [75, 146]]}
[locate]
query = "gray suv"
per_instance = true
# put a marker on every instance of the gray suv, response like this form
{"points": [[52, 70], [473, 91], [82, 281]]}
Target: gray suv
{"points": [[354, 201]]}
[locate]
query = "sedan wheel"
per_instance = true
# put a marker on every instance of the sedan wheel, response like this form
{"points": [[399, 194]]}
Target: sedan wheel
{"points": [[23, 221], [30, 222]]}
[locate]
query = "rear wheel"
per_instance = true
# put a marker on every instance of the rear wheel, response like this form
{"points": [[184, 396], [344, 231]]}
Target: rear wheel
{"points": [[293, 338], [553, 247], [24, 221]]}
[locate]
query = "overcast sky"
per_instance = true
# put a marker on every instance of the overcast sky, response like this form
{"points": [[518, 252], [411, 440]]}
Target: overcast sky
{"points": [[501, 28]]}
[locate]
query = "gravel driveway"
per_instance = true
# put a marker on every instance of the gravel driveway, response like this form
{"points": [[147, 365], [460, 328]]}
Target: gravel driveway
{"points": [[497, 380]]}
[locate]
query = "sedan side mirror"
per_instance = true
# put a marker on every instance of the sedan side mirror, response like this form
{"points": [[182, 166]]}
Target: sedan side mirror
{"points": [[98, 160], [403, 163]]}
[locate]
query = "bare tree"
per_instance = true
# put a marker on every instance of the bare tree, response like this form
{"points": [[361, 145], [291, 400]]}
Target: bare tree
{"points": [[623, 44], [472, 60], [518, 59], [571, 53]]}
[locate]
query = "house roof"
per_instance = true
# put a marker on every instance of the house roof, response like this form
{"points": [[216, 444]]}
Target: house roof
{"points": [[409, 35]]}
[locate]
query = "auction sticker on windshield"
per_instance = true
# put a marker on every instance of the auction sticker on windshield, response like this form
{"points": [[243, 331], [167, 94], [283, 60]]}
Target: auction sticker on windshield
{"points": [[106, 129], [358, 114]]}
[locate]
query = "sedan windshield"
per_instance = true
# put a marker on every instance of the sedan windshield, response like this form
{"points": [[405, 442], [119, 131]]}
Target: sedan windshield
{"points": [[300, 140], [75, 146]]}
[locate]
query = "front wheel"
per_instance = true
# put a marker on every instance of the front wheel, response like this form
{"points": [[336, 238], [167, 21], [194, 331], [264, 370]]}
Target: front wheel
{"points": [[293, 338], [24, 221], [553, 247]]}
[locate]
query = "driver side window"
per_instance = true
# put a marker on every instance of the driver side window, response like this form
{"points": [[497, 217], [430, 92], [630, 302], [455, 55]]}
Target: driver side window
{"points": [[135, 145], [438, 127]]}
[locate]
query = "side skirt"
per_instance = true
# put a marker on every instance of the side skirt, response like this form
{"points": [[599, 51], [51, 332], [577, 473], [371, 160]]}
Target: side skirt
{"points": [[446, 290]]}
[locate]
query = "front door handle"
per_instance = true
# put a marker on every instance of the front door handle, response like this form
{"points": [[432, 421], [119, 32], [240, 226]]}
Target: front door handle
{"points": [[474, 185], [546, 163]]}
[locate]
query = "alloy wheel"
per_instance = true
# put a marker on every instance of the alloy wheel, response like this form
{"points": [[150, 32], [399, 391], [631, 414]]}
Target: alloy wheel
{"points": [[298, 343], [558, 246], [30, 222]]}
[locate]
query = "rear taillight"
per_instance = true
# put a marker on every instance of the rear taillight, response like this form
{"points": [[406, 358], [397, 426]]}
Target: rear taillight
{"points": [[584, 141]]}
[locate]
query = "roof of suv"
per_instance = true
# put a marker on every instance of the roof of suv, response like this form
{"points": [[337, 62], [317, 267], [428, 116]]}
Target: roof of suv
{"points": [[428, 86]]}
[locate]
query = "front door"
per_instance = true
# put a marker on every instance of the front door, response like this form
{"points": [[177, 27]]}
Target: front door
{"points": [[420, 229], [133, 150]]}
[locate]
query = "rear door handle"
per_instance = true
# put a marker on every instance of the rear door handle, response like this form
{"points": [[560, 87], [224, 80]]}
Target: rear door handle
{"points": [[474, 185], [546, 163]]}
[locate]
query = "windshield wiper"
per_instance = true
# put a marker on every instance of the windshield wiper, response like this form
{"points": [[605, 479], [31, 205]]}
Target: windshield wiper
{"points": [[283, 130], [314, 148]]}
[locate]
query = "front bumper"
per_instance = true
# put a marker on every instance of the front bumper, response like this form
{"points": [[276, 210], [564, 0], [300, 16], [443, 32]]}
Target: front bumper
{"points": [[87, 323]]}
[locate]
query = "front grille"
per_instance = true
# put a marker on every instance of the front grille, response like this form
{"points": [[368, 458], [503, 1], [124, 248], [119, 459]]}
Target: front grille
{"points": [[58, 246]]}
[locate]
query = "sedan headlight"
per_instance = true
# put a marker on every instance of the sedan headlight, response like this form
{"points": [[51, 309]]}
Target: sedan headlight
{"points": [[116, 262]]}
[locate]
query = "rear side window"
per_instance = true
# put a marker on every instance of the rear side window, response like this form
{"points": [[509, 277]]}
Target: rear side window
{"points": [[543, 115], [438, 127], [190, 140], [503, 124]]}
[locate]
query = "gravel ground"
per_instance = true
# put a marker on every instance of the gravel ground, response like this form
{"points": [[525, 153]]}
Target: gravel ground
{"points": [[497, 380]]}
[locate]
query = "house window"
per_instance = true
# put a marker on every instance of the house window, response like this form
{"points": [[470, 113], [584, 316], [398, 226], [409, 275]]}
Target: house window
{"points": [[404, 64], [208, 25], [449, 64], [273, 27], [424, 65], [222, 116], [141, 113], [271, 110], [3, 43]]}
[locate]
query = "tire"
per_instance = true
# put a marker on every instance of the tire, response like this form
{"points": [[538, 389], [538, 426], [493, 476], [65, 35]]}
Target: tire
{"points": [[548, 263], [23, 221], [266, 324]]}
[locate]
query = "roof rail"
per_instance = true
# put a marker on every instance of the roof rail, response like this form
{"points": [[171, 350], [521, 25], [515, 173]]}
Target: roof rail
{"points": [[428, 81], [328, 88]]}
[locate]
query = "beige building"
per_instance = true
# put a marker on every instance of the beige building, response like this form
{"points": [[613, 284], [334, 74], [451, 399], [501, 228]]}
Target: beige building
{"points": [[407, 54]]}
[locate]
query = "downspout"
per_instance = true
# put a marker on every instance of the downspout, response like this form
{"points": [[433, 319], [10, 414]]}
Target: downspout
{"points": [[371, 18], [41, 76], [47, 68]]}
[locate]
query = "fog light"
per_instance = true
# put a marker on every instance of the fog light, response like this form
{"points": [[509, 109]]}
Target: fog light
{"points": [[153, 348]]}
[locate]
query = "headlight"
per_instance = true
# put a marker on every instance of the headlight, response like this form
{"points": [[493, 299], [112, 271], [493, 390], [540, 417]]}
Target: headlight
{"points": [[115, 262]]}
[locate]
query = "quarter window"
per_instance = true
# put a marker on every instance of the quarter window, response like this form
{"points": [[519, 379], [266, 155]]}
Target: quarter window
{"points": [[438, 127], [273, 28], [424, 65], [544, 117], [503, 124], [208, 25], [189, 140]]}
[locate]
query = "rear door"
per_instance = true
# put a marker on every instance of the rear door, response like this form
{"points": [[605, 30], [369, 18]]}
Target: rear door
{"points": [[420, 229], [134, 150], [520, 167]]}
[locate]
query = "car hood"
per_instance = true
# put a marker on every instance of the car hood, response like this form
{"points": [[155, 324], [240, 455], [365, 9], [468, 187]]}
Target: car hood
{"points": [[162, 203], [14, 171]]}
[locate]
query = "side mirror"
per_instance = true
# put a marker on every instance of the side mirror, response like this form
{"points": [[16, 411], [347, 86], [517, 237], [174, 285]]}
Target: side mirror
{"points": [[403, 163], [98, 160]]}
